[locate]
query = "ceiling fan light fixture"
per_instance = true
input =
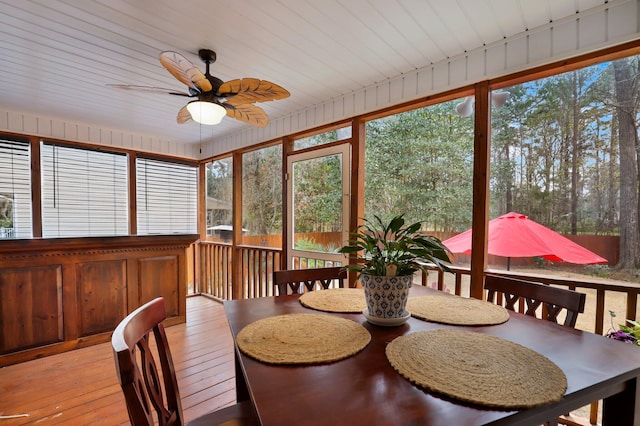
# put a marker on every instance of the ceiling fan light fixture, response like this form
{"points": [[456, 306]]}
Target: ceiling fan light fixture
{"points": [[209, 113], [465, 108]]}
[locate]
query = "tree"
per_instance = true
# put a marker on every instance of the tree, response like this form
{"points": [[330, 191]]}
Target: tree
{"points": [[262, 190], [626, 92], [220, 188], [420, 163]]}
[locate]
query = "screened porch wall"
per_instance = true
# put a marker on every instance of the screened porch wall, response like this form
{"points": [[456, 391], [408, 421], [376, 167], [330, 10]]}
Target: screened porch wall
{"points": [[610, 24]]}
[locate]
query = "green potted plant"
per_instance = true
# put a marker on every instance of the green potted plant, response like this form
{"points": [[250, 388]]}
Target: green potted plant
{"points": [[388, 254]]}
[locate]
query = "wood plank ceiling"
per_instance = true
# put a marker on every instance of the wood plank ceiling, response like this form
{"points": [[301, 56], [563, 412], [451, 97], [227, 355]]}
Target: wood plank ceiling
{"points": [[57, 56]]}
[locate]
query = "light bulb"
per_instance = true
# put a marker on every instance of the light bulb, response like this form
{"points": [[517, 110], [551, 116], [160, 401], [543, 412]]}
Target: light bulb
{"points": [[206, 112]]}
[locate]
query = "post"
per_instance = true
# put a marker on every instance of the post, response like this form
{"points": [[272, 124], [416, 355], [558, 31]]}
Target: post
{"points": [[481, 156]]}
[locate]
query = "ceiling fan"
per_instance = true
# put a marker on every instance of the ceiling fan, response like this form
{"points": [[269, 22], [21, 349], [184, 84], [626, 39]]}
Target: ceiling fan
{"points": [[215, 98]]}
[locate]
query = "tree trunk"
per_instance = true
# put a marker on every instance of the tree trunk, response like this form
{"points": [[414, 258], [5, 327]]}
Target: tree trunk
{"points": [[509, 183], [611, 215], [574, 156], [629, 236]]}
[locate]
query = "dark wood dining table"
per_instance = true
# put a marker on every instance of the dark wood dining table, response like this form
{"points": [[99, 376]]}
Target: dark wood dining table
{"points": [[365, 389]]}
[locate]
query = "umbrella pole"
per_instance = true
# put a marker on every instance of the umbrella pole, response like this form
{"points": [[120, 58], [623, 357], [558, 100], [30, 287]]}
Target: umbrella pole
{"points": [[508, 263]]}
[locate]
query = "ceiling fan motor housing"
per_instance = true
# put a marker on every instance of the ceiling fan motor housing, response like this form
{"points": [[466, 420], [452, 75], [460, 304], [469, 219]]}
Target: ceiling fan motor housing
{"points": [[207, 56]]}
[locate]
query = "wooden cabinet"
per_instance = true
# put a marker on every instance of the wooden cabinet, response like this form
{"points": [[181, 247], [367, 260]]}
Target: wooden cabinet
{"points": [[61, 294]]}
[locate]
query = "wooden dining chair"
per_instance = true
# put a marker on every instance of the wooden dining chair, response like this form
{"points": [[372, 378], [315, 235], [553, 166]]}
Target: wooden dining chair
{"points": [[293, 279], [532, 295], [147, 390], [552, 299]]}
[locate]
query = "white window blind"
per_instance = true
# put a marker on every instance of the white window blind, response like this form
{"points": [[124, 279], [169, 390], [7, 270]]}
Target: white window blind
{"points": [[167, 197], [15, 190], [84, 192]]}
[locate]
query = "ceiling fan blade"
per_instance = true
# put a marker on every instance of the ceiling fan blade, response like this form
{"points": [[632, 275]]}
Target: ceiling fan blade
{"points": [[249, 90], [247, 113], [184, 116], [149, 89], [185, 71]]}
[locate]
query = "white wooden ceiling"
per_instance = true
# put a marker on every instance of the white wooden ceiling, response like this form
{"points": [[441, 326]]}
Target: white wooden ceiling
{"points": [[58, 56]]}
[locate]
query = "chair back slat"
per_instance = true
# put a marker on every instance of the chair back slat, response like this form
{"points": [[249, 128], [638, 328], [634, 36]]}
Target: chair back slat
{"points": [[292, 281], [552, 299]]}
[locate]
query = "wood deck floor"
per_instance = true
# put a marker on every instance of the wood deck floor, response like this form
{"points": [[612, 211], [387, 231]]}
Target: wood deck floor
{"points": [[81, 388]]}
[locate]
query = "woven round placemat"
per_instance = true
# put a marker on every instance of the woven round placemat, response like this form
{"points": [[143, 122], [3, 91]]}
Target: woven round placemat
{"points": [[302, 339], [456, 310], [477, 368], [345, 300]]}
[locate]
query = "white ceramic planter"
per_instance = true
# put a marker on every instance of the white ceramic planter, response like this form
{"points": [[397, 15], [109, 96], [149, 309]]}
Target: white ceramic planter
{"points": [[386, 298]]}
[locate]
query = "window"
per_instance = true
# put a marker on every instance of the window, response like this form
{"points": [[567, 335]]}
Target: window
{"points": [[220, 199], [558, 157], [84, 192], [420, 163], [323, 138], [15, 189], [167, 197], [262, 197]]}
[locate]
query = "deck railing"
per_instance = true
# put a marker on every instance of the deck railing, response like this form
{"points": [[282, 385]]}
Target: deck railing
{"points": [[248, 277], [602, 297], [252, 273]]}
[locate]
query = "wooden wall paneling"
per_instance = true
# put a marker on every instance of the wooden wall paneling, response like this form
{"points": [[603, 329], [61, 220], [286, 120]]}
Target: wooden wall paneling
{"points": [[517, 52], [592, 29], [159, 277], [458, 71], [48, 127], [564, 37], [183, 282], [619, 23], [102, 295], [133, 285], [30, 307], [61, 294], [441, 75], [69, 298], [476, 67]]}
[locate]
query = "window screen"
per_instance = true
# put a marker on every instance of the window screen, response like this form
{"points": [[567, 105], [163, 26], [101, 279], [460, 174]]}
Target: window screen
{"points": [[167, 197], [84, 192], [15, 190]]}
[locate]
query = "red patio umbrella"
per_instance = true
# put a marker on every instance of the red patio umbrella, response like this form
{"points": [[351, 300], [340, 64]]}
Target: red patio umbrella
{"points": [[515, 235]]}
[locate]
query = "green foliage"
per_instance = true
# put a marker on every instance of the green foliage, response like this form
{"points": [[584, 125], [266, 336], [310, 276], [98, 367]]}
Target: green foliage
{"points": [[625, 333], [601, 271], [394, 249], [554, 152], [262, 190], [421, 162], [632, 330], [219, 181], [318, 192]]}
